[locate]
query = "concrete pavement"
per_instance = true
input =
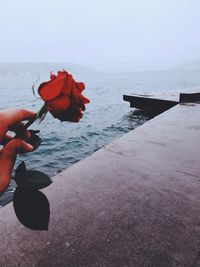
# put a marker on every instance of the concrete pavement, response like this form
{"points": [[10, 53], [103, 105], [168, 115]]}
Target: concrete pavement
{"points": [[135, 202]]}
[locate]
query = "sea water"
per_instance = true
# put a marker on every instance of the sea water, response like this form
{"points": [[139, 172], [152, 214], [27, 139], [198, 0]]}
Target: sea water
{"points": [[107, 116]]}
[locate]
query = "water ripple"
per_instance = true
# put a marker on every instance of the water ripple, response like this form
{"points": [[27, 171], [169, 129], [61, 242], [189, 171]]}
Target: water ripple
{"points": [[107, 116]]}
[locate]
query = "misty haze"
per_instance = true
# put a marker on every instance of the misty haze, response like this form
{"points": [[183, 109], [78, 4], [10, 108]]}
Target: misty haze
{"points": [[141, 33]]}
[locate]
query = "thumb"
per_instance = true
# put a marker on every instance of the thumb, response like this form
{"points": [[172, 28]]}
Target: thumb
{"points": [[7, 159]]}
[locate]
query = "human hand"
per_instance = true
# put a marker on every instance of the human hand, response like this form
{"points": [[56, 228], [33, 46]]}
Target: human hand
{"points": [[12, 120]]}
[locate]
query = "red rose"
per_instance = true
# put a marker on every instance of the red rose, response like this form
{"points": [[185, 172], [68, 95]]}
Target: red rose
{"points": [[63, 98]]}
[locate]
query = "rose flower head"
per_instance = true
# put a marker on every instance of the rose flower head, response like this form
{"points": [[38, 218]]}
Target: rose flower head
{"points": [[63, 97]]}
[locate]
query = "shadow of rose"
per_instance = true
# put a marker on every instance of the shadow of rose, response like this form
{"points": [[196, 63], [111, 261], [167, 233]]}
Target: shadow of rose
{"points": [[31, 208], [31, 205]]}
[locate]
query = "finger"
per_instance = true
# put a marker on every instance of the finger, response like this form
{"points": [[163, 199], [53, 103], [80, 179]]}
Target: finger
{"points": [[13, 116], [14, 147], [20, 128], [7, 159], [7, 138]]}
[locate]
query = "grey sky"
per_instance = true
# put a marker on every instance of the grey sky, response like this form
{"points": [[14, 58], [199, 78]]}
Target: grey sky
{"points": [[98, 32]]}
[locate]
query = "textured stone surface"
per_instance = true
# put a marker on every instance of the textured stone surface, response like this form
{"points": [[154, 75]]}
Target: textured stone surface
{"points": [[135, 202]]}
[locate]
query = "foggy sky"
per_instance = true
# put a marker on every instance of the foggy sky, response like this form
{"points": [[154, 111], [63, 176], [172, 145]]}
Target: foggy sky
{"points": [[99, 32]]}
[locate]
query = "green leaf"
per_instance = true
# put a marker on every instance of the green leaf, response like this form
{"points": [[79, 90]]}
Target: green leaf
{"points": [[34, 140]]}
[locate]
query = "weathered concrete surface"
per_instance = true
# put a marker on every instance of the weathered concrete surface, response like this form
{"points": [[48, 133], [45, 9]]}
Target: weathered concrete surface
{"points": [[134, 203]]}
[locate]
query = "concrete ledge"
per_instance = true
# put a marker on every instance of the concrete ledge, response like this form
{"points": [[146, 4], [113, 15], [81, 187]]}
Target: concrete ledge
{"points": [[155, 105], [135, 202], [195, 97]]}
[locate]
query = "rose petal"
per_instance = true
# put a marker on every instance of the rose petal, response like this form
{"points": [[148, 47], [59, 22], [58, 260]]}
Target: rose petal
{"points": [[59, 103], [63, 98], [80, 86], [51, 89], [67, 88]]}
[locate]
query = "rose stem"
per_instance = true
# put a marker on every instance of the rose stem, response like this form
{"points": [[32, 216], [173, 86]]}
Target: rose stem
{"points": [[29, 122], [38, 115]]}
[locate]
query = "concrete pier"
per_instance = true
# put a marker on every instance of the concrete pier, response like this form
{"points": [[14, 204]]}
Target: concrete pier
{"points": [[135, 202], [158, 103], [150, 104]]}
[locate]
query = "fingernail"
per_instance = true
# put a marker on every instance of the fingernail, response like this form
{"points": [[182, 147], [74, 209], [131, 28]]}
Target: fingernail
{"points": [[29, 147], [28, 134]]}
